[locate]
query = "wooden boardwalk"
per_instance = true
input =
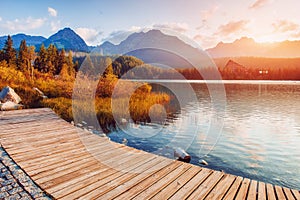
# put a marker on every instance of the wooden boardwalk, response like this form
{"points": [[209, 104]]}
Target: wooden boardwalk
{"points": [[69, 163]]}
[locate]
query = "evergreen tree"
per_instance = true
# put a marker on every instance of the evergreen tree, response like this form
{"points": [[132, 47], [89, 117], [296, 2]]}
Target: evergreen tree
{"points": [[9, 52], [1, 55], [52, 59], [41, 61], [71, 66], [64, 75], [61, 61], [23, 58]]}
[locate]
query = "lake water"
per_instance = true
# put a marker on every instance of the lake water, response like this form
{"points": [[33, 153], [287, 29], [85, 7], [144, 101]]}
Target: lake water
{"points": [[256, 135]]}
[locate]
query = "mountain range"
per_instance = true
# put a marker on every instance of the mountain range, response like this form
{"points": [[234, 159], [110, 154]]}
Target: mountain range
{"points": [[140, 44], [153, 47], [30, 40], [64, 39], [247, 47]]}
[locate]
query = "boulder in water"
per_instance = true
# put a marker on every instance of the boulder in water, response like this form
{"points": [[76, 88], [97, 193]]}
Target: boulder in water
{"points": [[8, 94], [203, 162], [182, 155]]}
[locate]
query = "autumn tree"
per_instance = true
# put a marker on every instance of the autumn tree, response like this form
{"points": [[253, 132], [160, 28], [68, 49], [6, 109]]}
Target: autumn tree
{"points": [[40, 62], [123, 64], [1, 55], [23, 57], [71, 66], [52, 59], [9, 52], [61, 61]]}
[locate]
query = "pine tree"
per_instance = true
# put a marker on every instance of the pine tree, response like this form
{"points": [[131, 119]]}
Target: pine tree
{"points": [[71, 69], [9, 52], [41, 61], [52, 59], [61, 61], [23, 58], [1, 55]]}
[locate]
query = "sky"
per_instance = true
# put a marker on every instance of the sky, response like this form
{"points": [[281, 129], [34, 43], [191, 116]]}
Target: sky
{"points": [[207, 22]]}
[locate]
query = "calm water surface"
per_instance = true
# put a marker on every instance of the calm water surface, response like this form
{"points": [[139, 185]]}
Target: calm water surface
{"points": [[259, 139]]}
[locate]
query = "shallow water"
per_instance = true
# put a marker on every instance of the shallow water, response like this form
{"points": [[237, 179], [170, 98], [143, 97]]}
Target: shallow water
{"points": [[259, 128]]}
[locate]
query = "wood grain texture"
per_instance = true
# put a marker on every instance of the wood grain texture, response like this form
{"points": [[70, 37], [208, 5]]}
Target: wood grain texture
{"points": [[70, 163]]}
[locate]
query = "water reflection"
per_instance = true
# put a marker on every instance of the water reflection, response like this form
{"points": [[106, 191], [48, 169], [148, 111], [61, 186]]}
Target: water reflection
{"points": [[260, 138]]}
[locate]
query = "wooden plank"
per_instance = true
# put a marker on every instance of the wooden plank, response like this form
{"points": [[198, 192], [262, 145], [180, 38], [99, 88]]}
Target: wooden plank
{"points": [[6, 116], [28, 159], [103, 189], [252, 194], [69, 163], [55, 138], [206, 186], [233, 188], [242, 193], [51, 174], [44, 149], [20, 129], [29, 111], [54, 147], [50, 158], [270, 192], [26, 127], [137, 184], [296, 194], [106, 155], [20, 120], [162, 182], [86, 180], [279, 192], [173, 187], [69, 179], [15, 141], [190, 186], [262, 191], [58, 166], [93, 187], [288, 193], [221, 188]]}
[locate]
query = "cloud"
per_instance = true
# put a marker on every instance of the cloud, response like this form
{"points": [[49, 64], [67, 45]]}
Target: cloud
{"points": [[232, 27], [55, 25], [0, 19], [206, 14], [178, 27], [23, 24], [258, 4], [285, 26], [90, 36], [135, 28], [52, 12], [296, 35]]}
